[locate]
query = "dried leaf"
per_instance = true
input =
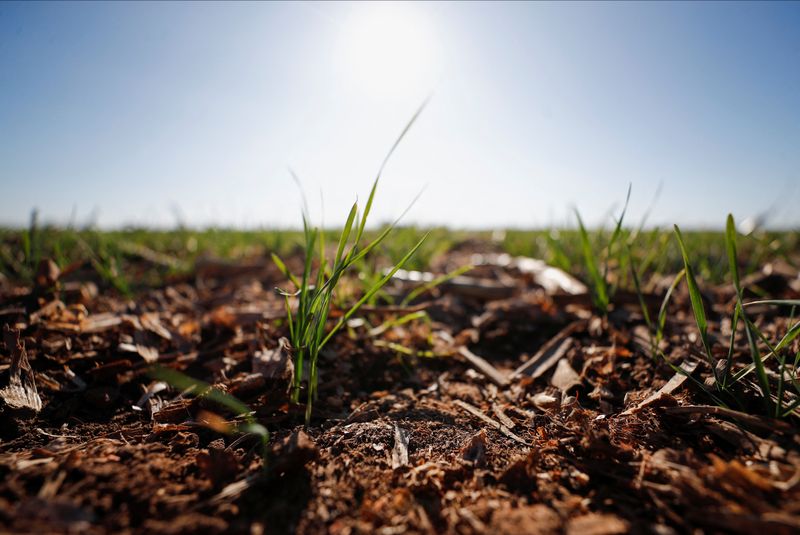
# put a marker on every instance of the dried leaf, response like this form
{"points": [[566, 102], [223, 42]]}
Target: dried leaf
{"points": [[20, 394]]}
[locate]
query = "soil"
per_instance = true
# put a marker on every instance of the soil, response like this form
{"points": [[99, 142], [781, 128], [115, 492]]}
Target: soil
{"points": [[582, 440]]}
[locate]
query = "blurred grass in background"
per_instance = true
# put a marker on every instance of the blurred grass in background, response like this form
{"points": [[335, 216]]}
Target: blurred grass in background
{"points": [[168, 254]]}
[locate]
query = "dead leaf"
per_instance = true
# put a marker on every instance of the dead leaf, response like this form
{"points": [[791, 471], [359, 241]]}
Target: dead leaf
{"points": [[20, 394]]}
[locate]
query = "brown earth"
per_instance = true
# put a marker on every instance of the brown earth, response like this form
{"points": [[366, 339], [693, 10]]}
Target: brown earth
{"points": [[450, 443]]}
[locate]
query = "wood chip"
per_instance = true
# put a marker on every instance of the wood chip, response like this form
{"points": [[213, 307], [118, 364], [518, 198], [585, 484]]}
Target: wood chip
{"points": [[565, 377], [275, 363], [489, 421], [149, 354], [293, 452], [483, 366], [474, 451], [27, 463], [545, 401], [400, 449], [477, 288], [152, 323], [502, 416], [597, 524], [233, 490], [549, 354], [545, 358], [552, 279], [673, 384], [98, 323]]}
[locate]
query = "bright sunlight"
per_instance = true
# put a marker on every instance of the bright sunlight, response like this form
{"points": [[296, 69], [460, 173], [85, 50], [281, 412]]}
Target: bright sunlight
{"points": [[388, 50]]}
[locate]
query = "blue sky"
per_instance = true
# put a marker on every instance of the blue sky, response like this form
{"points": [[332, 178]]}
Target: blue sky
{"points": [[150, 113]]}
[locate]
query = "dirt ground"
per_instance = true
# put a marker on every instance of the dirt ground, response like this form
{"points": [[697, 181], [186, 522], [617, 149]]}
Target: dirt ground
{"points": [[515, 409]]}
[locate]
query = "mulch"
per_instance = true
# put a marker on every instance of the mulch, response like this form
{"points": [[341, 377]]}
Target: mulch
{"points": [[515, 409]]}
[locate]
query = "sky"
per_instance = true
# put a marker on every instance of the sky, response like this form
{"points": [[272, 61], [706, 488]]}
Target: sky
{"points": [[159, 114]]}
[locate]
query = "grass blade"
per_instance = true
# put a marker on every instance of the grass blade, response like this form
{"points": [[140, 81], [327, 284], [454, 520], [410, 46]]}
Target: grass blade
{"points": [[730, 246], [597, 281], [285, 271], [776, 302], [372, 291], [662, 311], [638, 287], [758, 361], [200, 389], [416, 292], [617, 231], [698, 309], [733, 265]]}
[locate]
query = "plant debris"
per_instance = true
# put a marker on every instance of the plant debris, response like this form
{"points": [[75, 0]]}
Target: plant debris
{"points": [[499, 402]]}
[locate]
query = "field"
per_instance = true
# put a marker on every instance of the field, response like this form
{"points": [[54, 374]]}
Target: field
{"points": [[552, 381]]}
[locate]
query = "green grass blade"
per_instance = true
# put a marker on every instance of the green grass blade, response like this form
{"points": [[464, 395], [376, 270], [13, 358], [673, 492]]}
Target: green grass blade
{"points": [[200, 389], [402, 320], [348, 227], [787, 339], [598, 283], [791, 408], [355, 254], [730, 246], [731, 346], [323, 262], [782, 364], [618, 228], [698, 384], [558, 255], [638, 287], [621, 257], [397, 141], [416, 292], [758, 361], [403, 134], [285, 271], [698, 309], [733, 266], [372, 291], [662, 311]]}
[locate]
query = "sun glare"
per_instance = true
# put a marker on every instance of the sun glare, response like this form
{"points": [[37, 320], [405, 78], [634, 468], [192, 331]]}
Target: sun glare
{"points": [[388, 50]]}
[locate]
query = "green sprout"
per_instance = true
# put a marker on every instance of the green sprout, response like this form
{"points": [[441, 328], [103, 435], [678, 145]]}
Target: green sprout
{"points": [[308, 325]]}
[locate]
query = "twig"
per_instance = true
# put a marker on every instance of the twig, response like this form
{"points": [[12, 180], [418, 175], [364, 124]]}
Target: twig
{"points": [[550, 353], [676, 381], [502, 416], [540, 363], [484, 367], [493, 423]]}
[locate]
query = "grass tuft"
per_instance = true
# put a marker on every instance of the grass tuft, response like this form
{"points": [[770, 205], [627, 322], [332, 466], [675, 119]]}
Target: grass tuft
{"points": [[308, 329], [601, 290]]}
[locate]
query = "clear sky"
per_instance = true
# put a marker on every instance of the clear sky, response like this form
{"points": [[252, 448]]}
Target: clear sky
{"points": [[151, 113]]}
